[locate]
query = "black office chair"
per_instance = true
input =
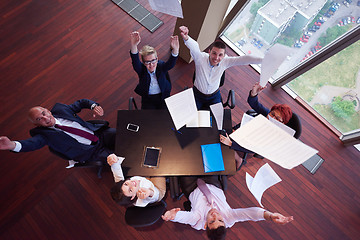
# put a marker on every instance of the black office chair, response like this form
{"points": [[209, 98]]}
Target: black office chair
{"points": [[188, 184], [98, 164], [230, 101], [180, 186], [295, 124], [144, 216], [132, 104]]}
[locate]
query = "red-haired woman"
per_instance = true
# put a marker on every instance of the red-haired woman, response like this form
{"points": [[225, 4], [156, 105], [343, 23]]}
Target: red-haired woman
{"points": [[280, 112]]}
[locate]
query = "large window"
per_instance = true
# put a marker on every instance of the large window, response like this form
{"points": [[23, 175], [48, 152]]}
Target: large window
{"points": [[310, 28], [332, 88]]}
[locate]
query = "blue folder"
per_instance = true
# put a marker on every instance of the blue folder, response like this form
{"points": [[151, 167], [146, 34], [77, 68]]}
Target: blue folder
{"points": [[212, 157]]}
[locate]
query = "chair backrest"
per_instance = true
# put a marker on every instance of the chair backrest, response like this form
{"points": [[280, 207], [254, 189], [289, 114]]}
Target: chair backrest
{"points": [[132, 104], [295, 124], [230, 102], [144, 216]]}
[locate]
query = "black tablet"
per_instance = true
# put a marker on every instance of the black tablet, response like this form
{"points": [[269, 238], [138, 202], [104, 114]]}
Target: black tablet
{"points": [[151, 157]]}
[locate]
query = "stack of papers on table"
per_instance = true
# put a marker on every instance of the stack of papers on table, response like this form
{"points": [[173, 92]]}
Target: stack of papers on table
{"points": [[202, 119]]}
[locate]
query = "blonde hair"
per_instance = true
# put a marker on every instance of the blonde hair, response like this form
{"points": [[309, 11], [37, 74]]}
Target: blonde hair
{"points": [[147, 50]]}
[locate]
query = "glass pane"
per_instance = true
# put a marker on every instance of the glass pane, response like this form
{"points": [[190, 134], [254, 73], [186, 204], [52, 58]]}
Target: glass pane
{"points": [[332, 88], [304, 25]]}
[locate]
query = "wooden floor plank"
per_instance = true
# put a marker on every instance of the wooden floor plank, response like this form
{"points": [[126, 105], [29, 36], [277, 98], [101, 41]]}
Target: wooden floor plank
{"points": [[60, 51]]}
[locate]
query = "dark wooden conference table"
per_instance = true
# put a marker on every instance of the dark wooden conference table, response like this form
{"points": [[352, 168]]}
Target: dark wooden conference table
{"points": [[181, 152]]}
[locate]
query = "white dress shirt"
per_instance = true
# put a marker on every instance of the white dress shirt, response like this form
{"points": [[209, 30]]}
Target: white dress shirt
{"points": [[196, 218], [154, 87], [144, 183], [208, 77]]}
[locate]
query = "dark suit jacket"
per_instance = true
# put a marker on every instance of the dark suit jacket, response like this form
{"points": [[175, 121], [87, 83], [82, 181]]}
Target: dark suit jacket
{"points": [[144, 77], [258, 107], [60, 141]]}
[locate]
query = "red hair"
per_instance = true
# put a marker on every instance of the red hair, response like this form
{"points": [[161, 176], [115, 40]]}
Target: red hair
{"points": [[285, 111]]}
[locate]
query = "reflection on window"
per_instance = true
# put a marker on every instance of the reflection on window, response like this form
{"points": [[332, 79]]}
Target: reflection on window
{"points": [[332, 88], [304, 25]]}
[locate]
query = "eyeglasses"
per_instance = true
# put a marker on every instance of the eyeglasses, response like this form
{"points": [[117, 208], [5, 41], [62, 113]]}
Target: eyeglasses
{"points": [[153, 61]]}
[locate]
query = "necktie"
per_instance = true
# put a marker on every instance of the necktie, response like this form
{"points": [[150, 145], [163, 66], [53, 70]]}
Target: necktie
{"points": [[78, 132], [205, 190]]}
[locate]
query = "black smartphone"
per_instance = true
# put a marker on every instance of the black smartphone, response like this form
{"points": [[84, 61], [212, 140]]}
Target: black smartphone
{"points": [[223, 132]]}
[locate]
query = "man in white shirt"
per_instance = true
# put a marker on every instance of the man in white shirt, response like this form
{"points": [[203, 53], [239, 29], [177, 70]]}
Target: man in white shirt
{"points": [[215, 217], [209, 67]]}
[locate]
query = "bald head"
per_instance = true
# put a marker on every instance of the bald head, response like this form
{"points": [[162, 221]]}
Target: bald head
{"points": [[41, 117]]}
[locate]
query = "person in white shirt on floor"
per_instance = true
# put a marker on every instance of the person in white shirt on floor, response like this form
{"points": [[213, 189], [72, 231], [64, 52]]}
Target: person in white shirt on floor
{"points": [[135, 191], [216, 215]]}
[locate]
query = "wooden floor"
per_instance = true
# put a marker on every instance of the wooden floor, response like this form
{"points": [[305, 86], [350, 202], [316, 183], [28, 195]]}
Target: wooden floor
{"points": [[63, 50]]}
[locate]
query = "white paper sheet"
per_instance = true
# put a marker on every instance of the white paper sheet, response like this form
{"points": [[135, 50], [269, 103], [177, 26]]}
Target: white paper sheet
{"points": [[171, 7], [245, 119], [287, 129], [264, 179], [263, 137], [182, 107], [272, 61], [218, 112], [71, 164], [201, 120]]}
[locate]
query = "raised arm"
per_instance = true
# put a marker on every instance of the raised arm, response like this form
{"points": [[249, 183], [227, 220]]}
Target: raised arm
{"points": [[6, 143], [83, 103], [254, 102], [134, 42], [98, 111], [184, 31], [174, 45], [170, 215], [190, 43], [184, 217], [115, 163], [256, 89], [277, 218]]}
